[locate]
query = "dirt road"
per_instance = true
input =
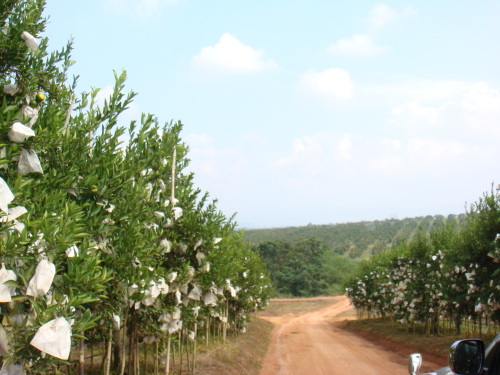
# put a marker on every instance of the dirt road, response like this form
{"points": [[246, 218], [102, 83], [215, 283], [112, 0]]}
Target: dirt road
{"points": [[308, 344]]}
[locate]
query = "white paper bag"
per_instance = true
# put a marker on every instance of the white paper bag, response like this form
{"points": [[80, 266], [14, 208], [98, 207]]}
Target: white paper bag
{"points": [[177, 212], [166, 245], [159, 214], [176, 315], [210, 299], [12, 369], [10, 89], [29, 40], [13, 213], [195, 293], [171, 277], [18, 226], [174, 326], [200, 256], [152, 293], [29, 162], [206, 267], [6, 292], [116, 321], [162, 286], [184, 289], [72, 251], [42, 280], [54, 338], [148, 340], [19, 133], [6, 196], [196, 310]]}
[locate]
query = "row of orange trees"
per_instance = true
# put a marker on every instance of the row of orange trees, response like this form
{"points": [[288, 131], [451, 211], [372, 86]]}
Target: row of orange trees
{"points": [[451, 275], [104, 236]]}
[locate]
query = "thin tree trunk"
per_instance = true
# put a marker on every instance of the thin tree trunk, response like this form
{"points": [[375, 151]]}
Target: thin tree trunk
{"points": [[91, 355], [167, 360], [136, 349], [186, 345], [207, 329], [224, 327], [82, 356], [156, 357], [123, 340], [117, 349], [145, 350], [194, 347], [181, 338], [131, 347], [108, 351]]}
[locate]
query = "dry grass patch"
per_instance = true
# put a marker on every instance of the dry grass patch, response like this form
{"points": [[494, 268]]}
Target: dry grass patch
{"points": [[240, 354], [282, 307]]}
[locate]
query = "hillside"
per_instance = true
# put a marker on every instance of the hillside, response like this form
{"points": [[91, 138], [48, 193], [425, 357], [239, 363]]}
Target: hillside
{"points": [[356, 240]]}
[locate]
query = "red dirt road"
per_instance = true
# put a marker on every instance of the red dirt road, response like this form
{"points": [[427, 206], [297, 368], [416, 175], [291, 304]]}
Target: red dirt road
{"points": [[308, 344]]}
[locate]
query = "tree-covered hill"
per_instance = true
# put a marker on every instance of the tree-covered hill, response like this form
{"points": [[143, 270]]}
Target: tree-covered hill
{"points": [[356, 240]]}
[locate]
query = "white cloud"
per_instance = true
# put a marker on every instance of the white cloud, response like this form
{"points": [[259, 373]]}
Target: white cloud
{"points": [[382, 14], [418, 156], [417, 113], [474, 111], [141, 8], [333, 84], [360, 45], [232, 56], [482, 98], [317, 153]]}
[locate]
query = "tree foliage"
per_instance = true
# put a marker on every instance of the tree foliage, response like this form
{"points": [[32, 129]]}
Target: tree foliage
{"points": [[450, 274], [305, 267], [125, 240]]}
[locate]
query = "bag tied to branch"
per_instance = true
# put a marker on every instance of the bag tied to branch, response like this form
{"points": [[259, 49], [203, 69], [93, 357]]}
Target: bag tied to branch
{"points": [[54, 338], [42, 280], [6, 292], [29, 162]]}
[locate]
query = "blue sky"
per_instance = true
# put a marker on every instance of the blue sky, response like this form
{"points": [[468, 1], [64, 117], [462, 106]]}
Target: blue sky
{"points": [[302, 112]]}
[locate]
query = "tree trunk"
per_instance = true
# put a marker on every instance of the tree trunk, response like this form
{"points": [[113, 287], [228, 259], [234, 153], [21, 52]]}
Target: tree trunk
{"points": [[123, 340], [167, 360], [207, 329], [156, 358], [117, 348], [108, 351], [194, 347], [82, 356]]}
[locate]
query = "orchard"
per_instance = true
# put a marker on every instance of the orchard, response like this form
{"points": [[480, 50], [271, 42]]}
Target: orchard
{"points": [[107, 246]]}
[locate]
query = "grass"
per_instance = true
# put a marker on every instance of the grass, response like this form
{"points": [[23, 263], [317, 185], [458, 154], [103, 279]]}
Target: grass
{"points": [[281, 307], [240, 354]]}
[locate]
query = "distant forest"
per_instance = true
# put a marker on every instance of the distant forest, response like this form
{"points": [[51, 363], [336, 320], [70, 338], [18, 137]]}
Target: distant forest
{"points": [[320, 259], [358, 240]]}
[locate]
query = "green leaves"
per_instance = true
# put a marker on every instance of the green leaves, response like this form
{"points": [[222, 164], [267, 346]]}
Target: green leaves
{"points": [[110, 194]]}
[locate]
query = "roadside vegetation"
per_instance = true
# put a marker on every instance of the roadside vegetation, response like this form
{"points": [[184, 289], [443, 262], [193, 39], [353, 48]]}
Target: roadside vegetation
{"points": [[441, 282]]}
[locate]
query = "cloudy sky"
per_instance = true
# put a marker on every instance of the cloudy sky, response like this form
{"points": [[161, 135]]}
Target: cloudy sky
{"points": [[313, 111]]}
